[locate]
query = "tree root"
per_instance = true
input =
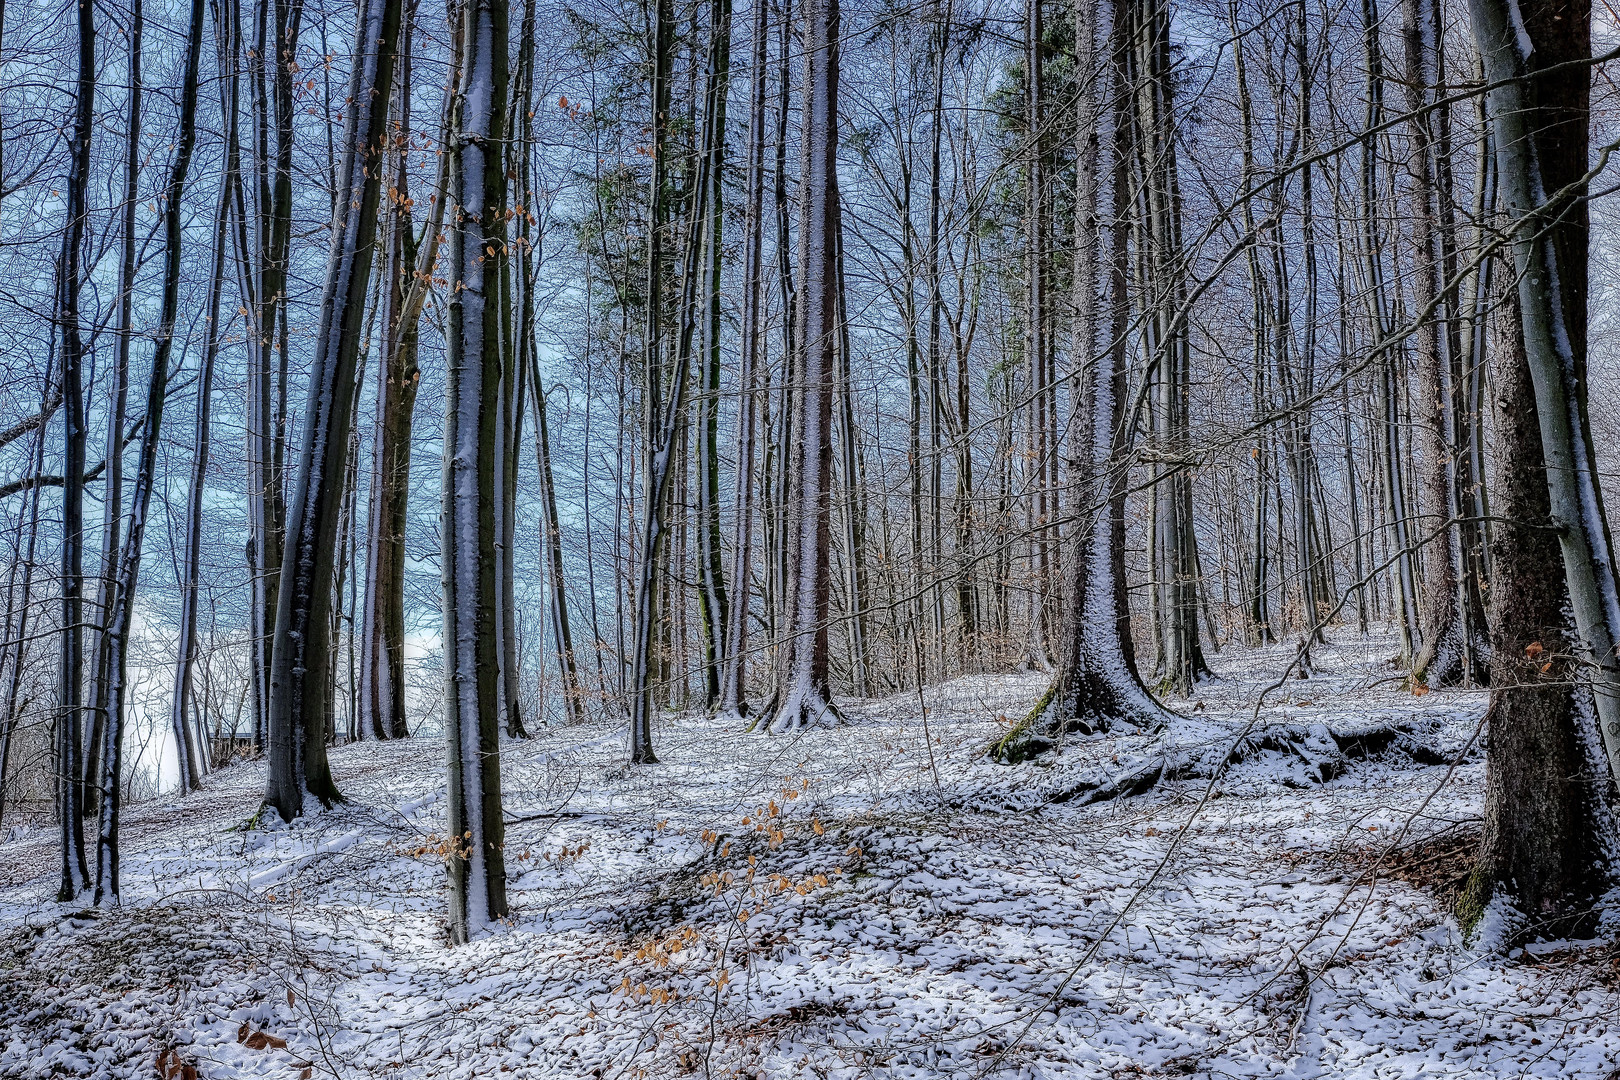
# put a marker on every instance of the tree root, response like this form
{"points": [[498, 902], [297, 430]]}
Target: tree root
{"points": [[1319, 755]]}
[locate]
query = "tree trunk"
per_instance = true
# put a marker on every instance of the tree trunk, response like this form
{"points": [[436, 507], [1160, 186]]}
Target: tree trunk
{"points": [[129, 564], [1541, 853], [191, 568], [805, 695], [733, 680], [1097, 684], [300, 653], [112, 504], [467, 517], [659, 420], [1552, 279], [714, 603], [69, 770]]}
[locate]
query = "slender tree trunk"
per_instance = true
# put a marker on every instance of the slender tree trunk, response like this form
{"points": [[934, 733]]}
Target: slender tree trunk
{"points": [[714, 603], [191, 564], [1443, 660], [659, 419], [69, 770], [733, 680], [118, 623], [112, 506], [300, 652]]}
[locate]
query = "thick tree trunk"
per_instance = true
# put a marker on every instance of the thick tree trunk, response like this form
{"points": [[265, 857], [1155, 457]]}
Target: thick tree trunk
{"points": [[806, 694], [300, 653], [1552, 292], [1097, 684], [477, 867], [1541, 853]]}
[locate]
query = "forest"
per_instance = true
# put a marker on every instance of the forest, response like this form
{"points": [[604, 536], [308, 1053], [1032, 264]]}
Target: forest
{"points": [[955, 538]]}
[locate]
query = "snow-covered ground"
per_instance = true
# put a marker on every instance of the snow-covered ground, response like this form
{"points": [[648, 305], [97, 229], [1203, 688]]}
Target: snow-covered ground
{"points": [[875, 900]]}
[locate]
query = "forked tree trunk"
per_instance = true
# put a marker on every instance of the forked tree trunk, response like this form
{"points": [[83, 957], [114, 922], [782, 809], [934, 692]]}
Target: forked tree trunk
{"points": [[476, 864], [658, 418], [300, 654], [129, 562], [806, 694]]}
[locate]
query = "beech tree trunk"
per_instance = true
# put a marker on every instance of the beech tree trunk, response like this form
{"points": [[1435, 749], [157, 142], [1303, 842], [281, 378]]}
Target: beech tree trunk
{"points": [[1552, 275], [69, 770], [301, 656], [472, 724]]}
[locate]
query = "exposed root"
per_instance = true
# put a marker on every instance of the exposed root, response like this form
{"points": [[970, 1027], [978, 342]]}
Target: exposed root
{"points": [[1319, 755], [1090, 707]]}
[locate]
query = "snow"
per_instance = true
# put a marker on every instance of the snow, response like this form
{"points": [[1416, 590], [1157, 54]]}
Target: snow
{"points": [[838, 902]]}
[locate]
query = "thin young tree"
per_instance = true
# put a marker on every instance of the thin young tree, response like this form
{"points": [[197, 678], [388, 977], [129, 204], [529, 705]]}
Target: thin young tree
{"points": [[69, 274], [122, 611], [733, 675]]}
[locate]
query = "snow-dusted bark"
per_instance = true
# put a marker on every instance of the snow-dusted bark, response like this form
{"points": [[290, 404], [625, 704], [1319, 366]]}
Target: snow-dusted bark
{"points": [[300, 653], [1542, 849], [477, 229], [1097, 684], [1554, 343], [112, 502], [69, 780], [146, 478], [714, 602], [1446, 655], [805, 696]]}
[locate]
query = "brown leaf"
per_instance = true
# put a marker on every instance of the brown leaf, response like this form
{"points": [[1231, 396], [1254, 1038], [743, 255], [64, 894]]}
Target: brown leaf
{"points": [[291, 1000], [257, 1041], [242, 1032]]}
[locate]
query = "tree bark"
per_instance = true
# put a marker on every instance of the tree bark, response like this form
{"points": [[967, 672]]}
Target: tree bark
{"points": [[806, 694], [477, 867], [1552, 295], [300, 655]]}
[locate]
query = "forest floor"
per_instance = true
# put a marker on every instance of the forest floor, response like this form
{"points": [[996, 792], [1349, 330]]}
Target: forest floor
{"points": [[872, 900]]}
